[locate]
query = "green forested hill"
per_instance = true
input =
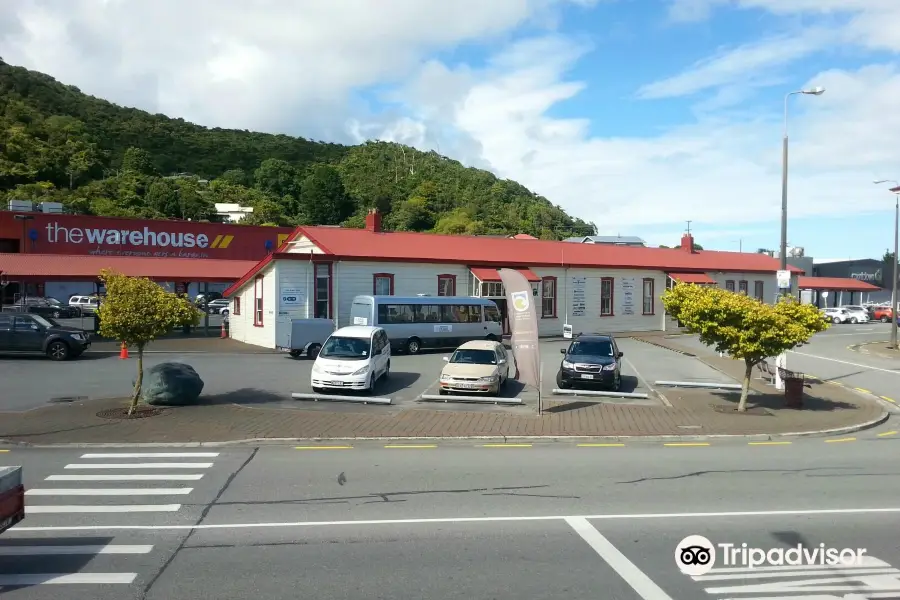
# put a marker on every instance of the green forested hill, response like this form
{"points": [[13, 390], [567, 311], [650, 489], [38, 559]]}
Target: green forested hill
{"points": [[58, 144]]}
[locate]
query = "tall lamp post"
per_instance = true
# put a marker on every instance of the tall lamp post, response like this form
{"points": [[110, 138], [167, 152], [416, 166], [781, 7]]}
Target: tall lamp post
{"points": [[894, 316], [816, 91]]}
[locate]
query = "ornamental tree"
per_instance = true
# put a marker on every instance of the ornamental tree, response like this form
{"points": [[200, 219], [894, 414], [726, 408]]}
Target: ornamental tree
{"points": [[742, 326], [136, 311]]}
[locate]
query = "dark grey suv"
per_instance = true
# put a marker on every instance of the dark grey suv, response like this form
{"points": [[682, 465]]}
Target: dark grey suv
{"points": [[30, 333], [591, 360]]}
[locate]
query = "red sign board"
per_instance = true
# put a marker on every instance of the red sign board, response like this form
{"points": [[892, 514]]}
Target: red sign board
{"points": [[104, 236]]}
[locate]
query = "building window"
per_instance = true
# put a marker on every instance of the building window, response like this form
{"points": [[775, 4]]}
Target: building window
{"points": [[606, 296], [649, 299], [236, 305], [258, 302], [758, 290], [729, 285], [383, 284], [548, 298], [446, 285], [492, 289], [323, 291], [742, 287]]}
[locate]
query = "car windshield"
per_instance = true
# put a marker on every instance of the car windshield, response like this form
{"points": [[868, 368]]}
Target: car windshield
{"points": [[474, 357], [54, 302], [42, 321], [593, 348], [345, 347]]}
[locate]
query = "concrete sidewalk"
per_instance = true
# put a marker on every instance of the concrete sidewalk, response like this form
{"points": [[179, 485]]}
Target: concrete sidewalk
{"points": [[694, 413], [881, 349]]}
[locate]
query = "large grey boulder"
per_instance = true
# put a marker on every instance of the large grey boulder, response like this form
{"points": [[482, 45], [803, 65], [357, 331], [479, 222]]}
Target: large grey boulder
{"points": [[171, 384]]}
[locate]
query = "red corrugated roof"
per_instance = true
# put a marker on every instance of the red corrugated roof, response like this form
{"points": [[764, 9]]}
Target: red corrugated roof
{"points": [[692, 277], [362, 244], [489, 274], [339, 243], [70, 268], [836, 284]]}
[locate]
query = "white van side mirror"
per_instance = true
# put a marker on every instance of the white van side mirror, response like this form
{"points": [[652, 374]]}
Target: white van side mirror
{"points": [[446, 359]]}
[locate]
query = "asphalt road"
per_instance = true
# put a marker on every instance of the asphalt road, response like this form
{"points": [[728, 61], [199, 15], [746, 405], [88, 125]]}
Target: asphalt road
{"points": [[828, 357], [269, 379], [455, 521]]}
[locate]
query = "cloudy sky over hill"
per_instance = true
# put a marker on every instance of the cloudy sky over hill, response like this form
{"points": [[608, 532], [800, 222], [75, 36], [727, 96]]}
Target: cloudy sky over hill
{"points": [[636, 114]]}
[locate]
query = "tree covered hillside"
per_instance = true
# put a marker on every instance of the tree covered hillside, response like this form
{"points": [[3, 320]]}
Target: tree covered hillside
{"points": [[58, 144]]}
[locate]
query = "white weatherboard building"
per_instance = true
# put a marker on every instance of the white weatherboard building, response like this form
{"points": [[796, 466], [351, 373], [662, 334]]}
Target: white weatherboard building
{"points": [[592, 287]]}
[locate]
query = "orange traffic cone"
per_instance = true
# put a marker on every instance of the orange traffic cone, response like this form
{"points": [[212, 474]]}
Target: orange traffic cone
{"points": [[123, 353], [223, 334]]}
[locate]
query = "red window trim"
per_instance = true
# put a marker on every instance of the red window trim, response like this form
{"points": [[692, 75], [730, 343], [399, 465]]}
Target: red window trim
{"points": [[259, 314], [330, 288], [743, 283], [612, 296], [390, 278], [236, 306], [652, 296], [729, 285], [555, 296], [452, 278]]}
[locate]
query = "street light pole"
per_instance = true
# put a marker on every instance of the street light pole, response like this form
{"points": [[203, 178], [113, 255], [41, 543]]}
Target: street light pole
{"points": [[816, 91], [896, 191]]}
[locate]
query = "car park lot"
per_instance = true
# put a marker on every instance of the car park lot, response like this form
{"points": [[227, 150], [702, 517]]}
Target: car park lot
{"points": [[270, 379]]}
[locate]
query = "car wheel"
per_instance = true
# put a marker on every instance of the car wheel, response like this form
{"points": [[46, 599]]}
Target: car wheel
{"points": [[387, 370], [370, 387], [442, 392], [884, 319], [561, 383], [56, 314], [617, 383], [58, 351], [317, 390], [853, 320], [413, 346], [313, 351], [224, 312], [836, 320], [296, 353]]}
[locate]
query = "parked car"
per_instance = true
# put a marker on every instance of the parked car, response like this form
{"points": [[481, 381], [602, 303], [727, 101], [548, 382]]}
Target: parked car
{"points": [[479, 366], [352, 358], [85, 304], [837, 315], [591, 359], [882, 313], [31, 333], [220, 306], [12, 497], [858, 314], [47, 307], [202, 299]]}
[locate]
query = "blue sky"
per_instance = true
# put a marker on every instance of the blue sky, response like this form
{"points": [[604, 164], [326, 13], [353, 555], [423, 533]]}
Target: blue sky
{"points": [[636, 114]]}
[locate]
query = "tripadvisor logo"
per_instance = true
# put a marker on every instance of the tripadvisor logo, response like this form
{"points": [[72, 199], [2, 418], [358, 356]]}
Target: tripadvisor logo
{"points": [[127, 237]]}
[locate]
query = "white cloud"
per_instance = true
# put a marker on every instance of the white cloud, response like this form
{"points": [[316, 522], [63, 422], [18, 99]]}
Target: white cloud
{"points": [[257, 65]]}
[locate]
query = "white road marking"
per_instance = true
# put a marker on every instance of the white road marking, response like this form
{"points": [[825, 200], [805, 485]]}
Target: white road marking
{"points": [[845, 362], [151, 455], [86, 477], [647, 383], [108, 491], [141, 466], [100, 508], [627, 570], [69, 550], [66, 578], [614, 517]]}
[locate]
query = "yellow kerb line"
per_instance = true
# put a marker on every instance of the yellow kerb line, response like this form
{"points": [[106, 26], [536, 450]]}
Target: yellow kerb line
{"points": [[863, 390], [600, 445], [411, 446], [888, 399], [687, 444], [4, 450], [769, 443], [507, 446], [849, 439], [887, 433], [323, 447]]}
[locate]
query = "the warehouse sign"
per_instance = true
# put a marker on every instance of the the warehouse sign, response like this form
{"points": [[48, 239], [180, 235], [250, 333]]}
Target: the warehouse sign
{"points": [[867, 276], [145, 237]]}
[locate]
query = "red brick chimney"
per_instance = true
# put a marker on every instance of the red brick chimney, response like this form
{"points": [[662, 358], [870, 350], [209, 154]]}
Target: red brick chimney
{"points": [[373, 220], [687, 242]]}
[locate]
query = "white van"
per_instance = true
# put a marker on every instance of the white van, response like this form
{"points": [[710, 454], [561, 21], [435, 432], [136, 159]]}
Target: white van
{"points": [[352, 358]]}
